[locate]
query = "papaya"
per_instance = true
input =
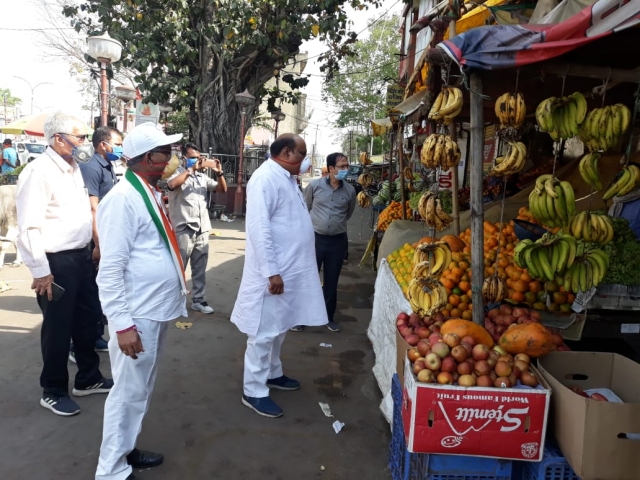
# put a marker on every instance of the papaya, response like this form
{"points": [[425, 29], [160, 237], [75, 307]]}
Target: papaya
{"points": [[531, 338], [464, 328]]}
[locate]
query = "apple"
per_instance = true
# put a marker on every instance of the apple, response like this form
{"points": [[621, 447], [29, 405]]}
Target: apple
{"points": [[502, 382], [493, 376], [492, 361], [536, 315], [422, 332], [579, 391], [520, 367], [519, 312], [597, 397], [470, 340], [467, 346], [434, 328], [529, 379], [427, 320], [501, 351], [402, 316], [419, 365], [424, 347], [480, 352], [405, 331], [503, 369], [513, 379], [466, 381], [506, 309], [413, 354], [451, 339], [564, 348], [439, 323], [484, 381], [445, 378], [508, 320], [433, 361], [415, 320], [441, 349], [448, 365], [425, 376], [456, 375], [493, 313], [482, 367], [507, 359], [557, 339], [434, 338], [439, 317], [412, 340], [464, 368], [459, 353], [523, 357], [471, 361]]}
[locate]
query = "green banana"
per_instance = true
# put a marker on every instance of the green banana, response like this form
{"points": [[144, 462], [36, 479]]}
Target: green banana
{"points": [[544, 264], [625, 113], [621, 178], [581, 106]]}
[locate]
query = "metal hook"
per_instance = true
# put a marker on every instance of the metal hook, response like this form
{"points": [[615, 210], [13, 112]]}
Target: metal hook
{"points": [[517, 78], [604, 87]]}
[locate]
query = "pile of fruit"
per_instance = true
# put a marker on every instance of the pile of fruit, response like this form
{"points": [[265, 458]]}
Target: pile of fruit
{"points": [[391, 213], [624, 255], [447, 105], [510, 110]]}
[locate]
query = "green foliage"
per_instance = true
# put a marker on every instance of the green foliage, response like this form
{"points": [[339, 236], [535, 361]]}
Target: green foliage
{"points": [[359, 88], [177, 122], [6, 97], [624, 255]]}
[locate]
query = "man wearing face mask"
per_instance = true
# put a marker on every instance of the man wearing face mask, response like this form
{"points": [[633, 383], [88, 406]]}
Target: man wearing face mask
{"points": [[331, 202], [54, 220], [188, 188], [280, 286], [99, 177]]}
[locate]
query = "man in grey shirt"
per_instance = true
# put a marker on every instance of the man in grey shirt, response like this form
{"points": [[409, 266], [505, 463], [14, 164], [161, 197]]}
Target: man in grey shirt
{"points": [[331, 202], [189, 214]]}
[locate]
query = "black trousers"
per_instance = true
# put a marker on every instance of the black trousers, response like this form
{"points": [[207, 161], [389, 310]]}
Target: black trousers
{"points": [[74, 316], [330, 254]]}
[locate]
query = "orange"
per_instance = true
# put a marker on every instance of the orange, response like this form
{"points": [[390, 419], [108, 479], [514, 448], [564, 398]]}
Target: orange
{"points": [[463, 306], [455, 313], [457, 271], [570, 297], [454, 300], [463, 265], [535, 286], [467, 315], [446, 312], [453, 265], [525, 277], [520, 286], [465, 299], [448, 306], [517, 296], [465, 286], [447, 282]]}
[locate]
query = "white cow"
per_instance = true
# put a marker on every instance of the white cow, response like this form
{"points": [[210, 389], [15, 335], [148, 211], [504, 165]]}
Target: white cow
{"points": [[8, 223]]}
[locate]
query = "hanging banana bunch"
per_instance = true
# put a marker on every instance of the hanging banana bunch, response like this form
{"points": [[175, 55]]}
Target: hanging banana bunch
{"points": [[365, 180], [364, 158], [363, 200], [510, 110], [447, 105], [439, 151], [430, 209], [431, 259], [511, 163]]}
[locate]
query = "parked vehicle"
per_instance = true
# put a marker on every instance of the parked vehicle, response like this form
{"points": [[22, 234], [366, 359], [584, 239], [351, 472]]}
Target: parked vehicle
{"points": [[27, 151], [352, 176]]}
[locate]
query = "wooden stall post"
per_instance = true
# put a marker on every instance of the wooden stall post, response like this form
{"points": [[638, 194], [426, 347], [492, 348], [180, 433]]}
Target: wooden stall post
{"points": [[477, 205], [455, 201], [401, 168]]}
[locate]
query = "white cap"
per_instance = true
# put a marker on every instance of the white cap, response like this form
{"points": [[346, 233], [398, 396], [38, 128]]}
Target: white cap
{"points": [[146, 137]]}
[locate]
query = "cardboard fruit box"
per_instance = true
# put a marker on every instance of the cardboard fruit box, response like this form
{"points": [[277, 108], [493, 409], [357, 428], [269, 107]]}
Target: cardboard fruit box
{"points": [[600, 440], [506, 423]]}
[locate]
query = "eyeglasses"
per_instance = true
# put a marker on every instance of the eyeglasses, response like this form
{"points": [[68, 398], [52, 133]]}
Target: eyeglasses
{"points": [[81, 138], [164, 152], [342, 167]]}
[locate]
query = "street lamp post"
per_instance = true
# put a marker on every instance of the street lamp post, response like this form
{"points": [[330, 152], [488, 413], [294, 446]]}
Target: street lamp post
{"points": [[126, 94], [278, 116], [105, 50], [165, 108], [33, 89], [245, 100]]}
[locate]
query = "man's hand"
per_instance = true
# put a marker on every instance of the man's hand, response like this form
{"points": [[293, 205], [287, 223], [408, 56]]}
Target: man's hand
{"points": [[130, 343], [213, 164], [42, 286], [95, 255], [276, 285]]}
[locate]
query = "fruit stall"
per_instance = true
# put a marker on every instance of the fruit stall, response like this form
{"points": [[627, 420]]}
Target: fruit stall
{"points": [[472, 332]]}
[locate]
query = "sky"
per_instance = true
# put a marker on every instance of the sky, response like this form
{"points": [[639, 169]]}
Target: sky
{"points": [[24, 56]]}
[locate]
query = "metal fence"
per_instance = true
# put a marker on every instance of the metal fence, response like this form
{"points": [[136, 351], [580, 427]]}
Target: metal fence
{"points": [[251, 161]]}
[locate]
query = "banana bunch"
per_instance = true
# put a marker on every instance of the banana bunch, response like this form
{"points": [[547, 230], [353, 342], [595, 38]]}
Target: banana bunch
{"points": [[562, 117], [547, 258], [408, 173], [431, 259], [552, 202], [365, 180], [603, 127], [512, 162], [363, 200], [447, 105], [589, 170], [364, 158], [494, 289], [430, 209], [624, 182], [586, 272], [510, 110], [591, 227], [426, 296], [439, 151]]}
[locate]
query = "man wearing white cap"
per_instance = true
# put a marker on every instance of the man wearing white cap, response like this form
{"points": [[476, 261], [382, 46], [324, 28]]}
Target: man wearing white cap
{"points": [[142, 287]]}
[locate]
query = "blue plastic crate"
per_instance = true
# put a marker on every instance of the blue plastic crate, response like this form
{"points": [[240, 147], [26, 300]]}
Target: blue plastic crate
{"points": [[405, 465], [552, 467]]}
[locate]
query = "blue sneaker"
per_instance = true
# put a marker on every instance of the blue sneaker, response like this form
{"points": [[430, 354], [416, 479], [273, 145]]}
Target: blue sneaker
{"points": [[283, 383], [103, 386], [101, 345], [62, 406], [263, 406]]}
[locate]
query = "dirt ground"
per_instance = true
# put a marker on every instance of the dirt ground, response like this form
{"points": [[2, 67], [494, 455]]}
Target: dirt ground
{"points": [[196, 418]]}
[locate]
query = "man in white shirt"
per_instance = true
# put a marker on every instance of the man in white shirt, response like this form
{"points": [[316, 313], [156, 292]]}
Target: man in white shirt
{"points": [[54, 220], [280, 286], [142, 288]]}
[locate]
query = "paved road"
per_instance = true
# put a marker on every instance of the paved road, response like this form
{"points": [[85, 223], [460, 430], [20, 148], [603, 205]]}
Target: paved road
{"points": [[196, 418]]}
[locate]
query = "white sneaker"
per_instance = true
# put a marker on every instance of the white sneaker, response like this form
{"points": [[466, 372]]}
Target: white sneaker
{"points": [[202, 307]]}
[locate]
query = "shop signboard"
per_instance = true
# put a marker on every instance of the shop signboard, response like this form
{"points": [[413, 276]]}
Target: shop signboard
{"points": [[395, 95], [147, 112]]}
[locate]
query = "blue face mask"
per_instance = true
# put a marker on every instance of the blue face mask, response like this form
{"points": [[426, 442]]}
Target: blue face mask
{"points": [[191, 162], [342, 174], [115, 154]]}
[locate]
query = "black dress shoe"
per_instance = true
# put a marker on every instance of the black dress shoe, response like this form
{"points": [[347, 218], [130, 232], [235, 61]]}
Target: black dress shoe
{"points": [[132, 477], [142, 459]]}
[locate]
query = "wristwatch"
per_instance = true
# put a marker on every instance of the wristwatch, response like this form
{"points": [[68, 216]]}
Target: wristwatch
{"points": [[219, 174]]}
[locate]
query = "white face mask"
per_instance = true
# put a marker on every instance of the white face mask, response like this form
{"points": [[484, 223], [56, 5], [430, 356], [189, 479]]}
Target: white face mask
{"points": [[305, 165]]}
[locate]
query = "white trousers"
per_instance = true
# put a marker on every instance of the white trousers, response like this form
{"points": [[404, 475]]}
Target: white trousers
{"points": [[128, 400], [262, 362]]}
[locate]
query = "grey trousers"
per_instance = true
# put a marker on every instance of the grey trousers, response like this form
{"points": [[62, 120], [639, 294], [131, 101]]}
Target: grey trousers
{"points": [[194, 247]]}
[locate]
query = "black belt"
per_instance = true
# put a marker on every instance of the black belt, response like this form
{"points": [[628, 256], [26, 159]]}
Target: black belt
{"points": [[337, 235], [66, 252]]}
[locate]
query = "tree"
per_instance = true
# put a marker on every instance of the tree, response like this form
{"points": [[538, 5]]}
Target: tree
{"points": [[7, 99], [199, 54], [359, 89]]}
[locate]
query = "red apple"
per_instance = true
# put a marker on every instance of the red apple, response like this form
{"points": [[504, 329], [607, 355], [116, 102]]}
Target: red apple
{"points": [[529, 379], [439, 317], [598, 397], [445, 378], [459, 353], [468, 347], [466, 381], [433, 362], [470, 340], [513, 379], [482, 368], [415, 320], [536, 315], [422, 332], [448, 365], [492, 361], [484, 381], [505, 309], [451, 339], [441, 349], [425, 376], [579, 391], [405, 331], [434, 328], [519, 312], [502, 382], [464, 368], [434, 338], [412, 340], [438, 323], [418, 365], [493, 312], [493, 376], [424, 347], [413, 354], [480, 352], [507, 359], [427, 320], [519, 366], [402, 319], [503, 369], [564, 348]]}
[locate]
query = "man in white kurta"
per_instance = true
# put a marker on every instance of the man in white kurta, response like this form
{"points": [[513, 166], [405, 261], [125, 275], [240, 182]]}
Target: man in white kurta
{"points": [[141, 290], [280, 286]]}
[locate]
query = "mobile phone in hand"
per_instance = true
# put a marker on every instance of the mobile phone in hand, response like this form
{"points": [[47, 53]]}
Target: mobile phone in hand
{"points": [[56, 291]]}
